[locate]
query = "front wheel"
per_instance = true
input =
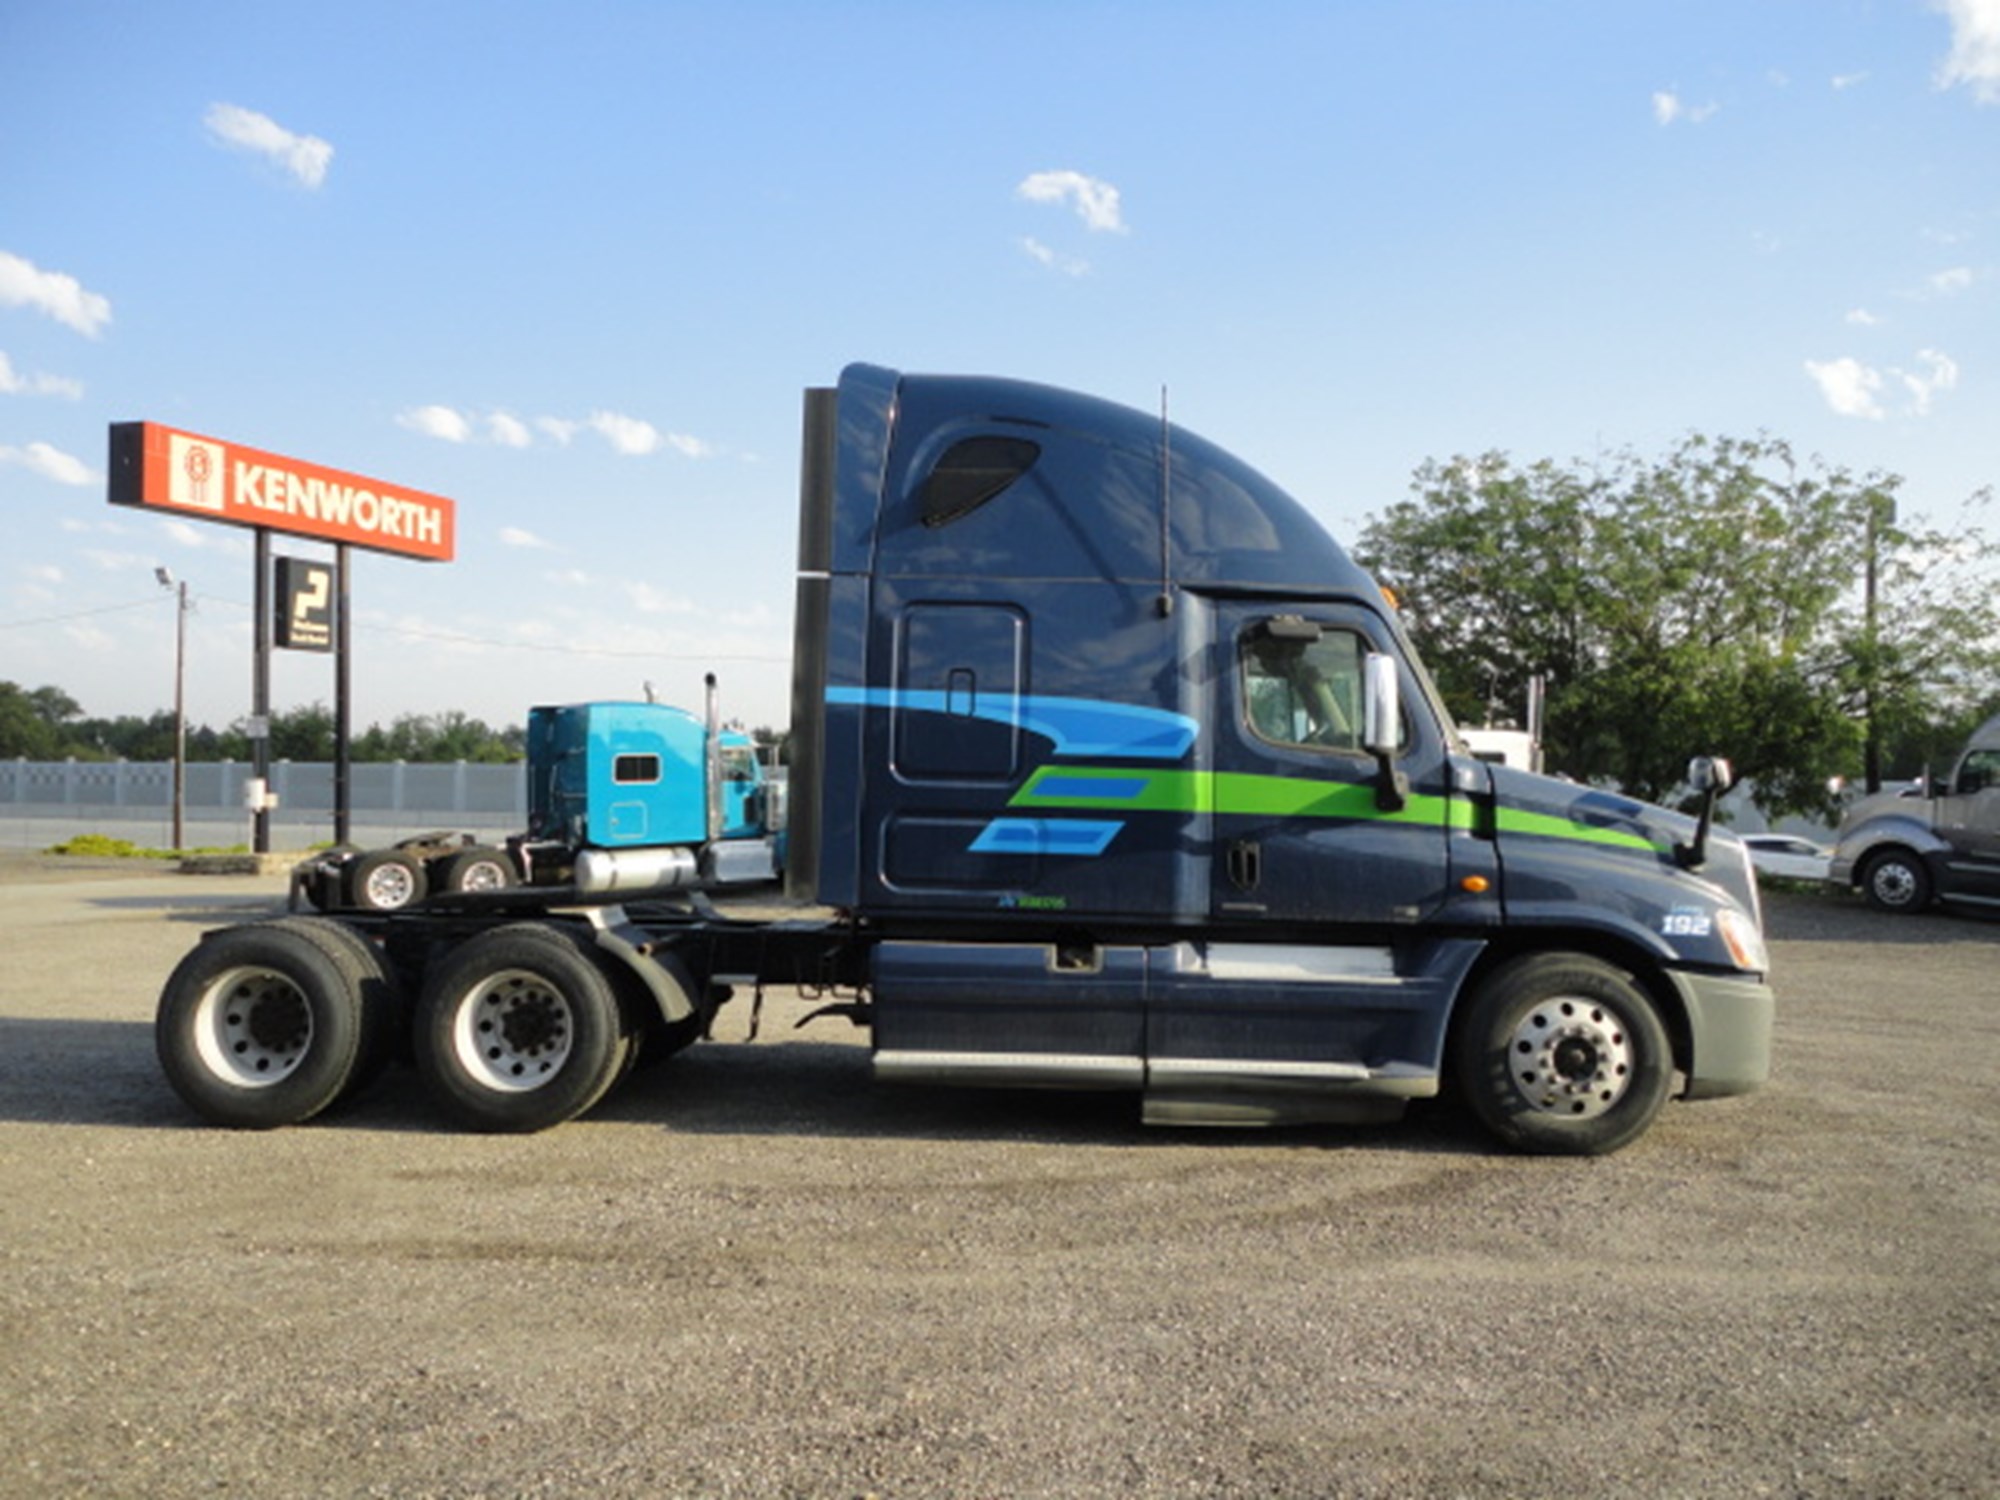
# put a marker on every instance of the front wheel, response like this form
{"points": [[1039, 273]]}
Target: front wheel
{"points": [[1562, 1054], [519, 1029], [1896, 880]]}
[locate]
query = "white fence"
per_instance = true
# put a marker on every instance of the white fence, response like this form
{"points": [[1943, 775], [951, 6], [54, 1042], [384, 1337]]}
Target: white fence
{"points": [[46, 802]]}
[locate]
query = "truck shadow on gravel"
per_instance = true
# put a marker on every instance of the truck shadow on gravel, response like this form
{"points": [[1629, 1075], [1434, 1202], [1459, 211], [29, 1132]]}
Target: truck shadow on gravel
{"points": [[84, 1073], [824, 1090], [1842, 917], [207, 910], [105, 1073]]}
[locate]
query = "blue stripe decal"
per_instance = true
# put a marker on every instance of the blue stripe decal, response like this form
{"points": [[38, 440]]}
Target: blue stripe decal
{"points": [[1097, 788], [1076, 726], [1073, 836]]}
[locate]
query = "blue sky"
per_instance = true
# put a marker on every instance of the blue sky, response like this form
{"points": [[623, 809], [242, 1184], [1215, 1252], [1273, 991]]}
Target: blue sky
{"points": [[571, 265]]}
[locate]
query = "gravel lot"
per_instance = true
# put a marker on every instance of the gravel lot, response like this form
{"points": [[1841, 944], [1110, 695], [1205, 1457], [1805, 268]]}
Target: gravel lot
{"points": [[754, 1273]]}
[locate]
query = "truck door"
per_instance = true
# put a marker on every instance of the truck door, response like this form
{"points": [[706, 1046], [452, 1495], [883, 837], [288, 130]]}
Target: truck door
{"points": [[1300, 837], [1968, 818]]}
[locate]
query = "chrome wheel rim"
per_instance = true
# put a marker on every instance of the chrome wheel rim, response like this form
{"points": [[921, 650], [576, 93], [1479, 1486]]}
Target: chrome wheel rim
{"points": [[253, 1027], [514, 1031], [1572, 1057]]}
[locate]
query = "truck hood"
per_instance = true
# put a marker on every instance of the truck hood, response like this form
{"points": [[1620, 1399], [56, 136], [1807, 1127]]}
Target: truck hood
{"points": [[1562, 843]]}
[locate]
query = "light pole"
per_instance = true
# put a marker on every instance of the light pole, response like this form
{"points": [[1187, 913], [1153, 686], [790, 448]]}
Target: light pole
{"points": [[167, 581]]}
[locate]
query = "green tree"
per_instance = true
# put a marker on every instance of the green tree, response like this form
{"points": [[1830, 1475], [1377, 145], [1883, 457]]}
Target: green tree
{"points": [[1703, 601], [34, 725]]}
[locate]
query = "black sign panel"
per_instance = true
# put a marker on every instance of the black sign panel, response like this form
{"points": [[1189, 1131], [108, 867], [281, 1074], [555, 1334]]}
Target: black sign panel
{"points": [[305, 605]]}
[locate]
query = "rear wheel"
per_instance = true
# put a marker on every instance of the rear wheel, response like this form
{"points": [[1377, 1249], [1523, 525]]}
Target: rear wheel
{"points": [[519, 1029], [1563, 1054], [477, 869], [259, 1026], [1896, 880], [385, 1009], [386, 880]]}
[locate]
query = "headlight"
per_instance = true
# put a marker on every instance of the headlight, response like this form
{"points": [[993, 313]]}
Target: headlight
{"points": [[1745, 942]]}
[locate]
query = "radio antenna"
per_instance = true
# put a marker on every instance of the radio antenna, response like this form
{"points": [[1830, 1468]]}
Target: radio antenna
{"points": [[1166, 509]]}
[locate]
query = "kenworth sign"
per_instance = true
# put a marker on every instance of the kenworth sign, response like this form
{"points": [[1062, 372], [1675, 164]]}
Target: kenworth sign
{"points": [[202, 478]]}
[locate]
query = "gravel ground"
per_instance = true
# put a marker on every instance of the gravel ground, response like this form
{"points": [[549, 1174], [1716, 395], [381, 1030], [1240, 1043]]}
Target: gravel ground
{"points": [[752, 1272]]}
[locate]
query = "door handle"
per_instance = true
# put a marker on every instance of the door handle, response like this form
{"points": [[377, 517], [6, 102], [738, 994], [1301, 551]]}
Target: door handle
{"points": [[1246, 864]]}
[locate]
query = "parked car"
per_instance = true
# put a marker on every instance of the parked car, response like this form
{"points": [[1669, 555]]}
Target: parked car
{"points": [[1788, 856]]}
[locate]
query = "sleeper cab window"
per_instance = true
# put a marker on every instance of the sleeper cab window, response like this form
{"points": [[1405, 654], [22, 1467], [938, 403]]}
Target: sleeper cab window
{"points": [[972, 472], [635, 770], [1302, 684]]}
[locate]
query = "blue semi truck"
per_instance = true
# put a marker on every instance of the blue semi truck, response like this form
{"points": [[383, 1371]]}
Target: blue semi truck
{"points": [[1109, 770], [621, 797]]}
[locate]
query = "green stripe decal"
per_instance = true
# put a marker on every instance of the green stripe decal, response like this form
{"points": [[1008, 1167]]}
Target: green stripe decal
{"points": [[1244, 794], [1547, 825]]}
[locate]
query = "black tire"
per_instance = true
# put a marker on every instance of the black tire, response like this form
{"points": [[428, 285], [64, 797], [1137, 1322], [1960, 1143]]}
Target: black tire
{"points": [[386, 880], [259, 1027], [519, 1029], [1562, 1054], [385, 1006], [1896, 880], [476, 869]]}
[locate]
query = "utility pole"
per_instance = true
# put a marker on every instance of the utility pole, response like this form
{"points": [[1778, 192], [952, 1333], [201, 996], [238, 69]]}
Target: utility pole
{"points": [[1881, 511], [168, 581]]}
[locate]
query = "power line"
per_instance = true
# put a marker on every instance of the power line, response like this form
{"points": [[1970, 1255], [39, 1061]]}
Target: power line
{"points": [[106, 609]]}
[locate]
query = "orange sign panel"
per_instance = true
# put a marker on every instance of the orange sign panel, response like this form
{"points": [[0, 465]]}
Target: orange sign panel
{"points": [[203, 478]]}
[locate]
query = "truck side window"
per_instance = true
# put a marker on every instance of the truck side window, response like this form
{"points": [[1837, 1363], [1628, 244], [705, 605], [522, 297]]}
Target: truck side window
{"points": [[630, 770], [1304, 692], [1980, 770]]}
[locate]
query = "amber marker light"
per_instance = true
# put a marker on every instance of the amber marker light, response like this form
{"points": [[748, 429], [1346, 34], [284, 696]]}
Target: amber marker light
{"points": [[1478, 885]]}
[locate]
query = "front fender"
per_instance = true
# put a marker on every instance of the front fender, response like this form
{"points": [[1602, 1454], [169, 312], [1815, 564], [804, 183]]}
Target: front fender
{"points": [[1864, 838]]}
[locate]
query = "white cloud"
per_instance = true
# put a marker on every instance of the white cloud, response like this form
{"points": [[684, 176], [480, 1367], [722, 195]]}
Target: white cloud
{"points": [[571, 577], [306, 157], [1844, 81], [1669, 108], [1042, 255], [438, 422], [1861, 317], [1096, 201], [1854, 389], [13, 383], [515, 536], [46, 573], [1940, 373], [1951, 283], [1975, 48], [649, 600], [62, 297], [508, 431], [1849, 386], [50, 463], [628, 435]]}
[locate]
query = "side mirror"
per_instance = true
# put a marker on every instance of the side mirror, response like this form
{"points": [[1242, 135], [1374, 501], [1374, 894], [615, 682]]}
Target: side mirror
{"points": [[1710, 776], [1382, 728], [1382, 705]]}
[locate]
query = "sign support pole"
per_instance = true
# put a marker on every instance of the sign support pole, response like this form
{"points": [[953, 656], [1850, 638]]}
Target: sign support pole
{"points": [[343, 716], [260, 697]]}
